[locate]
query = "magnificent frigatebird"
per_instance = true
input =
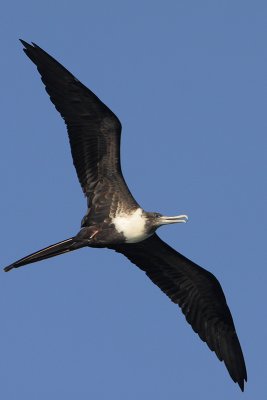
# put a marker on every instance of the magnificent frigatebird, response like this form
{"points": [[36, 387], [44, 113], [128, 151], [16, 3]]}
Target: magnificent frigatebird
{"points": [[115, 220]]}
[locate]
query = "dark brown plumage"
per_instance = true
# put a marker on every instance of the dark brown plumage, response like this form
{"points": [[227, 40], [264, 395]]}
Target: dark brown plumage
{"points": [[114, 218], [197, 292], [94, 132]]}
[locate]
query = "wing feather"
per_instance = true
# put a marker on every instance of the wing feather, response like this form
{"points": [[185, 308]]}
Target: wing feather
{"points": [[197, 292], [94, 130]]}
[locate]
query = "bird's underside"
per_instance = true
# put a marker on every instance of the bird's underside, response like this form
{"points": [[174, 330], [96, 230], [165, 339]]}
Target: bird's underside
{"points": [[115, 220]]}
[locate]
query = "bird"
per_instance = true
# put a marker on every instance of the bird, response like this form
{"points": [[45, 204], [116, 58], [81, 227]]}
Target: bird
{"points": [[115, 220]]}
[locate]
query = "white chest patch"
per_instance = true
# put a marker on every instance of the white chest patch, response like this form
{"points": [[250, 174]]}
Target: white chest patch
{"points": [[131, 226]]}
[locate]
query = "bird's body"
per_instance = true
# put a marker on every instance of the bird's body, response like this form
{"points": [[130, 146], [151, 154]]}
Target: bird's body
{"points": [[125, 227], [132, 226], [116, 221]]}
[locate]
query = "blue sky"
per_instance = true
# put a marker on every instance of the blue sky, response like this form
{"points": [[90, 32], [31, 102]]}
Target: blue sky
{"points": [[188, 82]]}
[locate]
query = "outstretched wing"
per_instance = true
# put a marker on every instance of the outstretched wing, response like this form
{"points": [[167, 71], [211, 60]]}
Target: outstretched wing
{"points": [[197, 292], [94, 131]]}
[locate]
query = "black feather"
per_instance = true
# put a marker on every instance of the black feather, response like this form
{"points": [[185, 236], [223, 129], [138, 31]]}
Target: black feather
{"points": [[197, 292], [94, 131]]}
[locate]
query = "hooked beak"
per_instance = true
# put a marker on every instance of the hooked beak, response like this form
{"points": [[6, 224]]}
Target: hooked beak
{"points": [[163, 220]]}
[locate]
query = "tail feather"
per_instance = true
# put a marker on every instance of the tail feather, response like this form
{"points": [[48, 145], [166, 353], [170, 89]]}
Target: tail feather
{"points": [[51, 251]]}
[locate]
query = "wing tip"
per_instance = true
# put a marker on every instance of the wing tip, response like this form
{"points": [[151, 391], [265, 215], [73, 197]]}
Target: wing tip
{"points": [[241, 382], [25, 44], [243, 379], [8, 268]]}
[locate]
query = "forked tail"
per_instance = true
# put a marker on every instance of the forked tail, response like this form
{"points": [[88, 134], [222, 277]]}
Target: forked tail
{"points": [[51, 251]]}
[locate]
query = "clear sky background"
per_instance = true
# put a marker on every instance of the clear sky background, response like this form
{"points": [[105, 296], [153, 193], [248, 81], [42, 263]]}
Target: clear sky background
{"points": [[188, 81]]}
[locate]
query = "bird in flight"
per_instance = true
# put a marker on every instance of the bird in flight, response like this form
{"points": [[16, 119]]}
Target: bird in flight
{"points": [[115, 220]]}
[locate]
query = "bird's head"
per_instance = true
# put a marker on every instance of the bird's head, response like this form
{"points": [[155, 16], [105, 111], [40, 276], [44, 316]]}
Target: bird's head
{"points": [[155, 220]]}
